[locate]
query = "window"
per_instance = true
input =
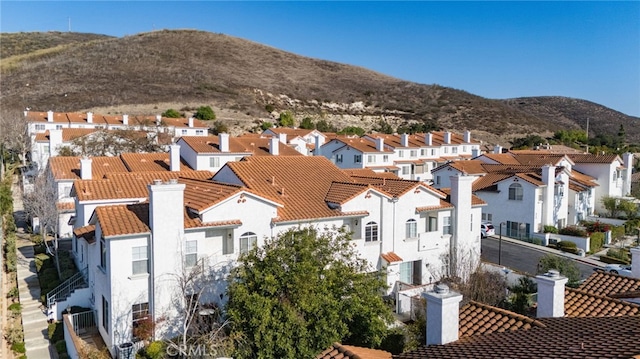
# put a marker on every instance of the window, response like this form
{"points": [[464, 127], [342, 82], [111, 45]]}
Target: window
{"points": [[199, 132], [58, 127], [139, 312], [190, 253], [413, 153], [103, 253], [371, 159], [371, 232], [338, 158], [454, 149], [411, 228], [214, 162], [40, 127], [406, 170], [227, 244], [140, 260], [515, 192], [385, 158], [471, 224], [437, 179], [46, 148], [406, 272], [247, 241], [423, 152], [464, 148], [183, 132], [105, 314], [400, 153], [446, 225], [432, 225], [357, 158], [433, 152], [487, 217]]}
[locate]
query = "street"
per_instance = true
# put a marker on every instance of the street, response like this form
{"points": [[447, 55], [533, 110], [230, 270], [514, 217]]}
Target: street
{"points": [[521, 258]]}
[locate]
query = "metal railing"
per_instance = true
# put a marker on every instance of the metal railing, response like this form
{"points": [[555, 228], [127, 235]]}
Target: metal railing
{"points": [[64, 290], [84, 321]]}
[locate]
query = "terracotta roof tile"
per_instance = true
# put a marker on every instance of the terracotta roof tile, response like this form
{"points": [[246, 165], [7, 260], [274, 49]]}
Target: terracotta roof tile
{"points": [[120, 220], [391, 257], [68, 168], [246, 145], [579, 303], [66, 206], [342, 192], [606, 284], [68, 134], [339, 351], [87, 232], [479, 319], [360, 144], [591, 158], [539, 159], [149, 162], [368, 172], [503, 158], [394, 187], [475, 200], [443, 205]]}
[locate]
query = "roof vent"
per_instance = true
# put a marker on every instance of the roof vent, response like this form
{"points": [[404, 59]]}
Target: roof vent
{"points": [[442, 289], [173, 181], [157, 182], [552, 273]]}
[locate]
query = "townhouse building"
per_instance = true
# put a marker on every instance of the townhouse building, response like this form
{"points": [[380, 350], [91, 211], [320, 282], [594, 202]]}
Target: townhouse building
{"points": [[302, 140], [136, 231]]}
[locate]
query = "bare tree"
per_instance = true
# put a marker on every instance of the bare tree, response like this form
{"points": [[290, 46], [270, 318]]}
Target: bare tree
{"points": [[113, 143], [14, 135]]}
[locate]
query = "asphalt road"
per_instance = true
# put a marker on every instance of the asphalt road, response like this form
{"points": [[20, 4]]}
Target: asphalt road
{"points": [[521, 258]]}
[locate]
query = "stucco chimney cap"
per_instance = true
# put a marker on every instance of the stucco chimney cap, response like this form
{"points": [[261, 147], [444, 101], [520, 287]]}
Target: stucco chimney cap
{"points": [[441, 289]]}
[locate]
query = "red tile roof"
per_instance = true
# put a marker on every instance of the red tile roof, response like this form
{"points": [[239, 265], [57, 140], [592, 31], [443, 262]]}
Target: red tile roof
{"points": [[339, 351], [149, 162], [68, 168], [480, 319], [247, 145], [391, 257], [360, 144], [579, 303], [606, 284], [121, 220], [68, 134]]}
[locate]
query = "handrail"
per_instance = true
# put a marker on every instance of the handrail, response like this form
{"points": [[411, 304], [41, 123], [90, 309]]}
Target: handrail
{"points": [[83, 320], [64, 290]]}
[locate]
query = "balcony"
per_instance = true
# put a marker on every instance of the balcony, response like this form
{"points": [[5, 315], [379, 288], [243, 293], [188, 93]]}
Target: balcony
{"points": [[82, 336]]}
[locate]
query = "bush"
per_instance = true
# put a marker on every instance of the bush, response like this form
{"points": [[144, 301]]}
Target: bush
{"points": [[56, 332], [43, 260], [269, 108], [550, 229], [596, 241], [631, 226], [620, 254], [171, 113], [597, 226], [18, 347], [13, 293], [573, 231], [61, 346], [14, 334], [155, 350], [15, 309], [205, 113], [567, 246]]}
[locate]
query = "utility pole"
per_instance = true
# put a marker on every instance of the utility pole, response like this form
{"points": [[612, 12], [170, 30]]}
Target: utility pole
{"points": [[587, 134], [69, 23]]}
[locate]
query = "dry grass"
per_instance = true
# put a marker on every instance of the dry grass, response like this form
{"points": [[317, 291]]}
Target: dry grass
{"points": [[150, 72]]}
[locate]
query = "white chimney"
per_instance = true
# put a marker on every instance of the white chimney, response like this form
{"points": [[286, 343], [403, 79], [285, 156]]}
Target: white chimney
{"points": [[428, 139], [475, 152], [49, 116], [283, 137], [447, 137], [443, 315], [551, 294], [627, 161], [635, 262], [497, 149], [223, 142], [85, 168], [158, 120], [467, 136], [26, 113], [274, 146], [461, 195], [318, 149], [89, 117], [190, 121], [380, 144], [55, 141], [549, 179], [404, 140], [174, 158], [125, 120]]}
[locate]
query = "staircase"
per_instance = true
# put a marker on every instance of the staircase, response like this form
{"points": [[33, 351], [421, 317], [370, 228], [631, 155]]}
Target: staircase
{"points": [[65, 289]]}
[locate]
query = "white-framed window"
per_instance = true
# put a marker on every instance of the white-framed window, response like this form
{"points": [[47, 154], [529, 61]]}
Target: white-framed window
{"points": [[190, 253], [357, 158], [183, 132], [371, 158], [199, 132], [40, 127], [339, 158], [406, 272], [58, 127], [464, 149], [411, 228], [371, 232], [406, 170], [400, 153], [515, 192], [446, 149], [105, 314], [247, 241], [454, 149], [487, 217], [446, 225], [385, 158], [139, 312], [413, 153], [214, 162], [432, 224], [423, 152], [433, 152], [139, 260], [103, 253]]}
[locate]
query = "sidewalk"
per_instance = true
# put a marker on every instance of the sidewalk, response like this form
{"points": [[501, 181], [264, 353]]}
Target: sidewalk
{"points": [[34, 319]]}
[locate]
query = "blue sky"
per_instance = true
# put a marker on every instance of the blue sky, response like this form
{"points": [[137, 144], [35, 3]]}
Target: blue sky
{"points": [[588, 50]]}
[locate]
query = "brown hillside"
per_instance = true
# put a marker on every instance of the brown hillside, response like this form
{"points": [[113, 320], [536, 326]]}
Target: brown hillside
{"points": [[20, 43], [238, 78]]}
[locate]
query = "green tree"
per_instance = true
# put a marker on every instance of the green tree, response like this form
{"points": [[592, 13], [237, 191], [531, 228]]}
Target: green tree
{"points": [[172, 113], [266, 125], [611, 205], [324, 126], [205, 113], [565, 266], [219, 127], [286, 119], [526, 142], [302, 291], [352, 130], [307, 123], [630, 208], [383, 127]]}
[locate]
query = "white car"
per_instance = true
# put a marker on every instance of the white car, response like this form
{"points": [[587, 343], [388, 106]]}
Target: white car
{"points": [[623, 270], [487, 229]]}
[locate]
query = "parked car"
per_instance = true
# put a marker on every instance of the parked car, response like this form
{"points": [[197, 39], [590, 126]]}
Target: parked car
{"points": [[487, 229], [623, 270]]}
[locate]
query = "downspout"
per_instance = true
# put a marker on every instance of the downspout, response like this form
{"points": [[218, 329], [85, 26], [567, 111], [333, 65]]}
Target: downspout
{"points": [[152, 290]]}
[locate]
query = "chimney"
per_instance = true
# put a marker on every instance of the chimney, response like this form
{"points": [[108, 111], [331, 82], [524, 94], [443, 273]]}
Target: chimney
{"points": [[443, 312], [549, 179], [55, 141], [158, 120], [125, 120], [318, 149], [49, 116], [404, 140], [428, 139], [85, 168], [380, 144], [627, 162], [475, 152], [223, 142], [283, 137], [635, 262], [461, 200], [26, 113], [174, 158], [190, 121], [551, 294], [467, 136], [89, 117], [447, 137], [274, 146], [497, 149]]}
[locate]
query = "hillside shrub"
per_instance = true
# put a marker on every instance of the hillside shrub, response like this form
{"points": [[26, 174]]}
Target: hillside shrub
{"points": [[567, 246], [550, 229], [573, 231], [18, 347], [15, 309], [171, 113], [596, 241], [205, 113]]}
